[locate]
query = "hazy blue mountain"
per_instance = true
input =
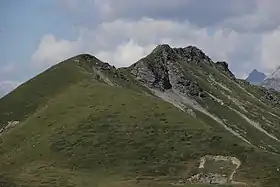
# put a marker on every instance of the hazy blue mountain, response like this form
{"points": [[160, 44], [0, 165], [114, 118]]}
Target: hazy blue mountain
{"points": [[256, 77]]}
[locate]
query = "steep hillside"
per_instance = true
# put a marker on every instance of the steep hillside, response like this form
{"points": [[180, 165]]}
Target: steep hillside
{"points": [[35, 93], [174, 117]]}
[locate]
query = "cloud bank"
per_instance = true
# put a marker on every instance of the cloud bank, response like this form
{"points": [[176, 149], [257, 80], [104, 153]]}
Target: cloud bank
{"points": [[245, 33]]}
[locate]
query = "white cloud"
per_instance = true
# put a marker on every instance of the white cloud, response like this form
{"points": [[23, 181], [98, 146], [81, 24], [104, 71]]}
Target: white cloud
{"points": [[122, 42], [270, 50], [125, 54], [7, 86], [196, 11], [238, 31], [127, 38], [9, 68], [72, 4], [52, 50], [265, 17]]}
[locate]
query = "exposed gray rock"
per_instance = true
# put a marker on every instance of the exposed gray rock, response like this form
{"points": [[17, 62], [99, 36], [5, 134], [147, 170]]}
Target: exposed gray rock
{"points": [[180, 83], [155, 75], [10, 125], [196, 54], [189, 54], [99, 65], [272, 83], [215, 173], [223, 66], [270, 95], [209, 178], [161, 69]]}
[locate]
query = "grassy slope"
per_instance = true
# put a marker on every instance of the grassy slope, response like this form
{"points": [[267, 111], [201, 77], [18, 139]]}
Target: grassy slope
{"points": [[98, 131], [24, 101], [242, 95], [86, 133]]}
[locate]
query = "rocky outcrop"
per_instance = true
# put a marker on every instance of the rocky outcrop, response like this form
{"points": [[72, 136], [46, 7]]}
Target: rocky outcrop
{"points": [[213, 172], [154, 76], [162, 70], [223, 67], [270, 95], [11, 124], [197, 55], [180, 83], [92, 62], [208, 178]]}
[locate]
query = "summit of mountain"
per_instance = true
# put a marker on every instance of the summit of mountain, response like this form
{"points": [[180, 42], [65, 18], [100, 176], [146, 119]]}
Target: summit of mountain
{"points": [[174, 117]]}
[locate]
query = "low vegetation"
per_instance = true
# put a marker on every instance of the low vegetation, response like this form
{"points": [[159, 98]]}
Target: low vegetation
{"points": [[76, 129]]}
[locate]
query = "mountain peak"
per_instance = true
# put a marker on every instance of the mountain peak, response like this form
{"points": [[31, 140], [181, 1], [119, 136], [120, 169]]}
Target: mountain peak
{"points": [[162, 68], [92, 61], [256, 77], [194, 50], [223, 66], [81, 112], [189, 53], [162, 47]]}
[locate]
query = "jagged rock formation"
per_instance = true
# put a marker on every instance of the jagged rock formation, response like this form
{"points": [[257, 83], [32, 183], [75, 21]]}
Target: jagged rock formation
{"points": [[223, 66], [162, 69], [184, 75]]}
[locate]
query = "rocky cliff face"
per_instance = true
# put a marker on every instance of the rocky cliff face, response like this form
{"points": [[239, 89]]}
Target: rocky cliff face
{"points": [[223, 66], [164, 69], [191, 81], [188, 78]]}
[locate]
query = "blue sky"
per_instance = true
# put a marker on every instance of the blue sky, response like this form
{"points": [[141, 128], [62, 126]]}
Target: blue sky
{"points": [[36, 34], [23, 23]]}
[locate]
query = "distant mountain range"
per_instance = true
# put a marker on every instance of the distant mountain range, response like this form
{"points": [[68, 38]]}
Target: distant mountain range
{"points": [[271, 81], [256, 77]]}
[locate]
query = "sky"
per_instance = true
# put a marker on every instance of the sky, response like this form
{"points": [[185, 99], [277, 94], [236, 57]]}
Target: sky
{"points": [[36, 34]]}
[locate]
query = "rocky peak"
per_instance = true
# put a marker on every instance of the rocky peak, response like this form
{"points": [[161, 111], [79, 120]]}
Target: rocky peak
{"points": [[256, 77], [162, 69], [163, 48], [188, 54], [165, 53], [223, 66], [196, 52], [94, 62]]}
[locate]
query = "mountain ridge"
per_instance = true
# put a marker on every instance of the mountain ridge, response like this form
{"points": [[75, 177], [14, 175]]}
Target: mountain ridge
{"points": [[181, 118], [273, 80]]}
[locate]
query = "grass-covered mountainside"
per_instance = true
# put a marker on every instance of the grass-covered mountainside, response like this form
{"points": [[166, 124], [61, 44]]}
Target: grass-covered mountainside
{"points": [[173, 118]]}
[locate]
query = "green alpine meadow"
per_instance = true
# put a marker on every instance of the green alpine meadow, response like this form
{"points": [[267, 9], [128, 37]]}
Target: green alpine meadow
{"points": [[173, 118]]}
